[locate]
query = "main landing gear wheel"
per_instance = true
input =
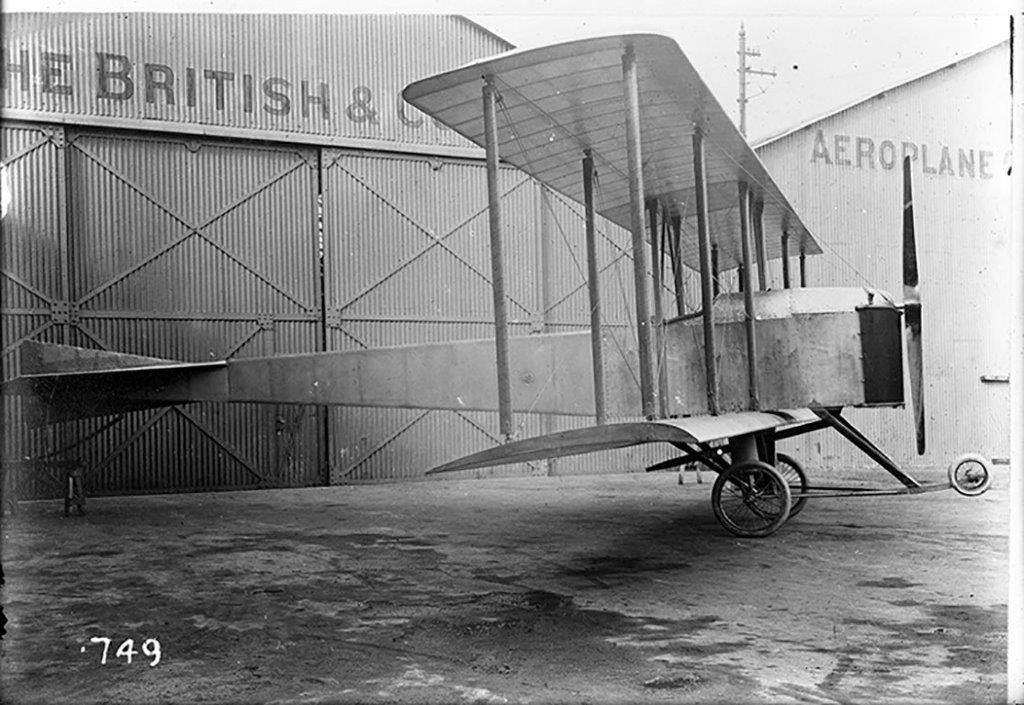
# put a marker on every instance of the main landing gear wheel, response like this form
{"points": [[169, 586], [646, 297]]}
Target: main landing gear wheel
{"points": [[793, 473], [751, 499], [970, 474]]}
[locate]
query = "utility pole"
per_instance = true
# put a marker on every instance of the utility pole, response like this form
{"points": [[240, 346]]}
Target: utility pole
{"points": [[745, 71]]}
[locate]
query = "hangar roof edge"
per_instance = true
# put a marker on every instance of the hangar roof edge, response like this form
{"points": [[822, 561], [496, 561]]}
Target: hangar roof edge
{"points": [[480, 27], [786, 132]]}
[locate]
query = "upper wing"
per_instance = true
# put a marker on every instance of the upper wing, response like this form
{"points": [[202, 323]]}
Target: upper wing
{"points": [[560, 100], [693, 429]]}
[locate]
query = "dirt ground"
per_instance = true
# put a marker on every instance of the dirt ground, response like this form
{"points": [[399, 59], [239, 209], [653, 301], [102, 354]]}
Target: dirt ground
{"points": [[579, 589]]}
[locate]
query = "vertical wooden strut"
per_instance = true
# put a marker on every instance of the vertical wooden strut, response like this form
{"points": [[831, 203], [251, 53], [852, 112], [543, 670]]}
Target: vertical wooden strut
{"points": [[716, 284], [631, 91], [653, 211], [785, 259], [675, 237], [593, 288], [490, 95], [762, 260], [803, 267], [707, 297], [748, 295]]}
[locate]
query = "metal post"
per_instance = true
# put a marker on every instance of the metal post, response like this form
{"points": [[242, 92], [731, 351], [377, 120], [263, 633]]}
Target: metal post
{"points": [[631, 90], [785, 259], [707, 296], [593, 288], [490, 96], [659, 313], [762, 259], [675, 237], [803, 268], [547, 267], [748, 295]]}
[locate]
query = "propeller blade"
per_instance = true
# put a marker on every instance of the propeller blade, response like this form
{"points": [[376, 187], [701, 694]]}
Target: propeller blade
{"points": [[912, 309]]}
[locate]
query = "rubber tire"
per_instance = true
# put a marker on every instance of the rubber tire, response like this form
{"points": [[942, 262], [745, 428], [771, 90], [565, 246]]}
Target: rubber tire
{"points": [[771, 524], [972, 491], [801, 485]]}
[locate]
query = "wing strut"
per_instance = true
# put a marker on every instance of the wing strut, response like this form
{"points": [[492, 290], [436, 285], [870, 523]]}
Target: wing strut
{"points": [[707, 279], [490, 97], [748, 294], [675, 234], [762, 260], [653, 211], [593, 288], [631, 90], [785, 259], [716, 285]]}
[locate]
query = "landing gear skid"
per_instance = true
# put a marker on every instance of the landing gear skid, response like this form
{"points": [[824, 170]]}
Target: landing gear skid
{"points": [[755, 497]]}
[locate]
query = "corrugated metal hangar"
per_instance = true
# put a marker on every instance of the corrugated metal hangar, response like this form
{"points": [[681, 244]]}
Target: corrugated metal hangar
{"points": [[223, 193], [842, 174]]}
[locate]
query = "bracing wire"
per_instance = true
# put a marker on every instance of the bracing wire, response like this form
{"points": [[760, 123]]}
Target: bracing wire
{"points": [[597, 198], [770, 193], [688, 230], [562, 364], [562, 128]]}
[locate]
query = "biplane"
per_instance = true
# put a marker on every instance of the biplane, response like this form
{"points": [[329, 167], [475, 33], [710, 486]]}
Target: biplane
{"points": [[719, 385]]}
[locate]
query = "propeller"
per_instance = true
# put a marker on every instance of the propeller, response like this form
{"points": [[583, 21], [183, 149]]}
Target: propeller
{"points": [[912, 309]]}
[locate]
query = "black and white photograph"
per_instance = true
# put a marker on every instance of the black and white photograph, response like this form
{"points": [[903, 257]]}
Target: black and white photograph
{"points": [[556, 352]]}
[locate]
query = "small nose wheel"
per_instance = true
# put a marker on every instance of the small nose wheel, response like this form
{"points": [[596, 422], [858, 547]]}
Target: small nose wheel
{"points": [[751, 499], [970, 474]]}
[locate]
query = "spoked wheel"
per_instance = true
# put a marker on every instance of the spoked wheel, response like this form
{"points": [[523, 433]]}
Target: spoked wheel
{"points": [[751, 499], [793, 473], [970, 474]]}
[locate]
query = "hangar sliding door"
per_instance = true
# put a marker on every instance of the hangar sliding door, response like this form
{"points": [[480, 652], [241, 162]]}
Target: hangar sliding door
{"points": [[189, 249], [33, 274], [407, 260]]}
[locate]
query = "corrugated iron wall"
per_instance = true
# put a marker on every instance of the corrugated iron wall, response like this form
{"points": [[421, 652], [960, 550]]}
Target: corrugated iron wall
{"points": [[190, 247], [843, 174], [406, 261], [179, 248], [314, 78]]}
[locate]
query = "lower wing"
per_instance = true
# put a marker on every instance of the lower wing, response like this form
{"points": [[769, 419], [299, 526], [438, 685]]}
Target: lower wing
{"points": [[691, 430]]}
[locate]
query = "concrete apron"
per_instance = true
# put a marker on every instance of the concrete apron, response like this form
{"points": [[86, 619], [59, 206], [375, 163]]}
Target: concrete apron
{"points": [[596, 588]]}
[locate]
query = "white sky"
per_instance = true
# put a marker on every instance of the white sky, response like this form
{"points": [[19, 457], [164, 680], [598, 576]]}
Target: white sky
{"points": [[827, 53]]}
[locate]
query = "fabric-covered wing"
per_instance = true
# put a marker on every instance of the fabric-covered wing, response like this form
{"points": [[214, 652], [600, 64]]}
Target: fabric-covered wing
{"points": [[62, 382], [694, 429], [557, 101]]}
